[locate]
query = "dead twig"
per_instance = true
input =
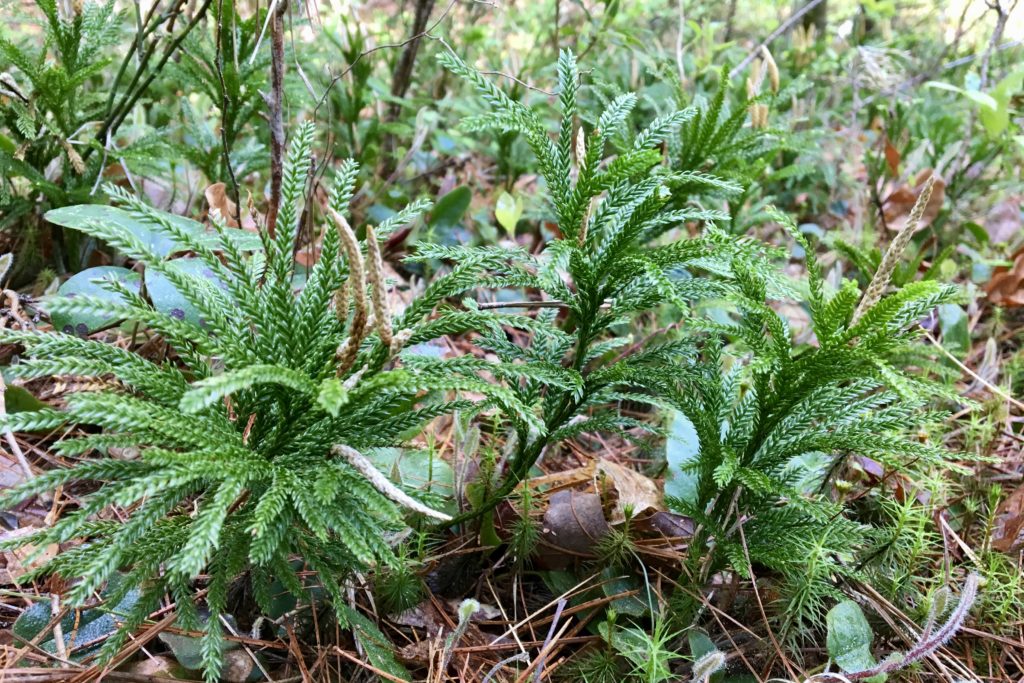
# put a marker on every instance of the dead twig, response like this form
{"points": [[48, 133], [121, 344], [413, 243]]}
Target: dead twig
{"points": [[274, 101], [12, 442], [782, 28]]}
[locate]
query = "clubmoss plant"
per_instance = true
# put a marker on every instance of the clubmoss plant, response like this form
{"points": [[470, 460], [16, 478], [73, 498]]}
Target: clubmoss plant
{"points": [[252, 435], [758, 421], [604, 267]]}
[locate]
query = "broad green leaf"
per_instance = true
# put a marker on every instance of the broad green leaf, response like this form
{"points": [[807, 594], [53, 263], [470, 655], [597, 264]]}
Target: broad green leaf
{"points": [[19, 400], [87, 283], [701, 645], [626, 641], [981, 99], [165, 296], [979, 233], [994, 107], [849, 638], [446, 217], [378, 649], [613, 583], [939, 85], [417, 469], [508, 210], [80, 216], [996, 120], [188, 649], [955, 335], [84, 633], [681, 449]]}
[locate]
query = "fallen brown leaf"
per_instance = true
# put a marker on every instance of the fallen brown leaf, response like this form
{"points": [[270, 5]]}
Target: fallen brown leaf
{"points": [[635, 491], [1006, 286], [672, 525], [217, 197], [896, 207], [1004, 221], [21, 561], [1008, 534], [892, 157]]}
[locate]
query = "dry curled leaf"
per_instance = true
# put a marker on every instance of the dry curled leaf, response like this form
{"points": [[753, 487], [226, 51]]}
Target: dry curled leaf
{"points": [[159, 666], [1006, 287], [672, 525], [634, 491], [217, 197], [23, 560], [418, 653], [892, 157], [897, 206], [1008, 534]]}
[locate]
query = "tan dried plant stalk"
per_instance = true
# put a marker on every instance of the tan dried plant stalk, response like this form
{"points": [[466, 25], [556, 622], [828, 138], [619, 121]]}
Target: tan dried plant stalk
{"points": [[378, 289], [74, 157], [341, 299], [894, 253], [384, 485], [771, 67], [356, 285], [764, 68]]}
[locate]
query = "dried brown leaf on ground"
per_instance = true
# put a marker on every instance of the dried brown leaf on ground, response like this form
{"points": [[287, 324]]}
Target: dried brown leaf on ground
{"points": [[432, 630], [10, 473], [892, 157], [1008, 534], [217, 198], [633, 490], [897, 205], [574, 522], [23, 560], [1004, 220], [1006, 287], [160, 666], [672, 524]]}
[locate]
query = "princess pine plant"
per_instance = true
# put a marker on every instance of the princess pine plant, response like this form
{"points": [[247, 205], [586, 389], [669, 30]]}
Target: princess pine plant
{"points": [[251, 441], [600, 268], [775, 429]]}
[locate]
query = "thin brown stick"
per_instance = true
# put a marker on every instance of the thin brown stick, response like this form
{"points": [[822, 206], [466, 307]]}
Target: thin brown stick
{"points": [[275, 111], [58, 632], [121, 112], [366, 665], [43, 675], [94, 672], [402, 77], [1002, 16], [386, 46], [783, 27], [978, 378], [760, 607], [19, 455]]}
